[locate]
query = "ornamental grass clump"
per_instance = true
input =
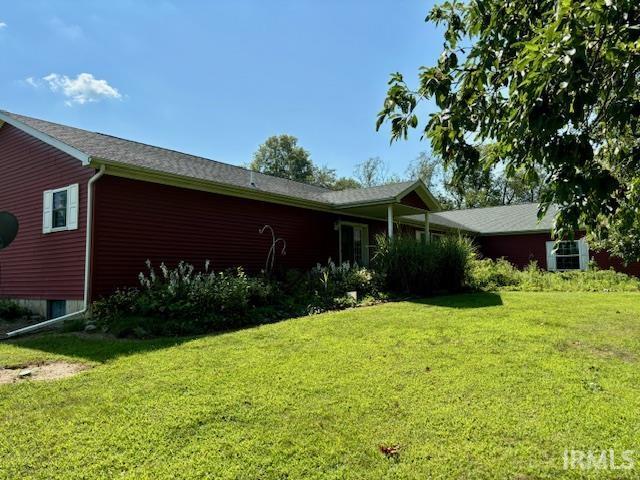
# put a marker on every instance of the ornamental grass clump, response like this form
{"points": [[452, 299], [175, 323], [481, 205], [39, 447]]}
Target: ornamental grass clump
{"points": [[412, 267]]}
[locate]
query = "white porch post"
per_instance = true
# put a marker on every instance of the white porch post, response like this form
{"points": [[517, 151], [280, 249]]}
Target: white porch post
{"points": [[427, 236], [390, 220]]}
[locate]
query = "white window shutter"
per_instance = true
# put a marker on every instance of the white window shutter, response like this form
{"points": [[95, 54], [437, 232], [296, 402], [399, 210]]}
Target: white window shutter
{"points": [[47, 211], [551, 257], [583, 248], [72, 207]]}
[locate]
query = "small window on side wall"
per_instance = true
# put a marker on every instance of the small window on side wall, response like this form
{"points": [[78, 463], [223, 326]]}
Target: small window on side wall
{"points": [[567, 255], [60, 209]]}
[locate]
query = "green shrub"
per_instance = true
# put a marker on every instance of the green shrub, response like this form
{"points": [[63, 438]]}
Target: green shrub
{"points": [[490, 274], [336, 280], [179, 301], [409, 266], [325, 287], [10, 310], [499, 274]]}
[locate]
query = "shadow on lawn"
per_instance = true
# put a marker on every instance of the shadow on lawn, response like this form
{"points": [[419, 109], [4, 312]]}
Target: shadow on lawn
{"points": [[466, 300], [94, 347], [101, 348]]}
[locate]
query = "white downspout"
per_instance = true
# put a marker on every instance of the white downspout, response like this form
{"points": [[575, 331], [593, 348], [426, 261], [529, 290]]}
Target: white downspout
{"points": [[87, 264], [89, 236]]}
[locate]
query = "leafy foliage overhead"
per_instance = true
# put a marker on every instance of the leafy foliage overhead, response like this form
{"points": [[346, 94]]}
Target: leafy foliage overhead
{"points": [[553, 84]]}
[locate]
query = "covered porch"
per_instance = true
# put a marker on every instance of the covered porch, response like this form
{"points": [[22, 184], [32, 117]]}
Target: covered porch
{"points": [[389, 204]]}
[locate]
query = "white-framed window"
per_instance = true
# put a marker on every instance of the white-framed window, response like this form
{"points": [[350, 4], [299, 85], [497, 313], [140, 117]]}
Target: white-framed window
{"points": [[353, 239], [60, 209], [568, 255]]}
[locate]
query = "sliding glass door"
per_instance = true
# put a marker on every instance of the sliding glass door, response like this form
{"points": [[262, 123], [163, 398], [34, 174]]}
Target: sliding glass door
{"points": [[354, 243]]}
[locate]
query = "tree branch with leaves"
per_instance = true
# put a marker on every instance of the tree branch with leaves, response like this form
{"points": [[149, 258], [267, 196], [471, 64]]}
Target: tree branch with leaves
{"points": [[553, 85]]}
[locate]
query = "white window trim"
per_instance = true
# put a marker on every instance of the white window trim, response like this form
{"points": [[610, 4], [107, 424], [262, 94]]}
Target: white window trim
{"points": [[72, 209], [66, 227], [365, 243], [583, 256]]}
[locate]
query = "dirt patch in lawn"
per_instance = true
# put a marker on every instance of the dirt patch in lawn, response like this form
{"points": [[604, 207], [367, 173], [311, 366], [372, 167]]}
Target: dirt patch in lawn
{"points": [[39, 372], [604, 351]]}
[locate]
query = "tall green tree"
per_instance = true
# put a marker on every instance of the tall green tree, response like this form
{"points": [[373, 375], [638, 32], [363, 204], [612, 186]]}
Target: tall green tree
{"points": [[554, 85], [323, 176], [486, 185], [281, 156], [426, 168], [517, 188], [371, 172], [345, 183]]}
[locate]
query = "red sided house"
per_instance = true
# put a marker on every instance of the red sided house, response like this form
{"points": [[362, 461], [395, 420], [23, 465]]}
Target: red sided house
{"points": [[92, 208], [513, 232]]}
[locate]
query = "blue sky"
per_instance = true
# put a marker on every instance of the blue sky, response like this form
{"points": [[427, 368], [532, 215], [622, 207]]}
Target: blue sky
{"points": [[216, 78]]}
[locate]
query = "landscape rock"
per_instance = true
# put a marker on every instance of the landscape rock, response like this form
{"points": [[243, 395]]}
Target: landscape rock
{"points": [[25, 373]]}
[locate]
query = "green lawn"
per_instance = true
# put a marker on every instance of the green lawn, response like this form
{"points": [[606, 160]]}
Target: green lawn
{"points": [[471, 386]]}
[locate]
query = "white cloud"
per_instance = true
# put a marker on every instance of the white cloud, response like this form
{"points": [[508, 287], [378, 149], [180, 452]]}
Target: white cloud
{"points": [[32, 81], [2, 25], [85, 88], [72, 32]]}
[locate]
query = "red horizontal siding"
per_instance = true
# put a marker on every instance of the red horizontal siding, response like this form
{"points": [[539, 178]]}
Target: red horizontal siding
{"points": [[135, 221], [604, 260], [35, 265], [522, 249], [412, 199], [517, 249]]}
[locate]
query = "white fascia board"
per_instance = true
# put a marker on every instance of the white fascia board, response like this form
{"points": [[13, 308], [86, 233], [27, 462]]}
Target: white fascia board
{"points": [[364, 203], [74, 152]]}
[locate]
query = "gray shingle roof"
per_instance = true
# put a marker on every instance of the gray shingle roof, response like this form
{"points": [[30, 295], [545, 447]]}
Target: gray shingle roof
{"points": [[502, 219], [109, 148], [140, 155], [361, 195]]}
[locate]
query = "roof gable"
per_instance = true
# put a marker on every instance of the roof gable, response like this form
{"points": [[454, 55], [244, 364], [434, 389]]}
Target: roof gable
{"points": [[18, 122]]}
